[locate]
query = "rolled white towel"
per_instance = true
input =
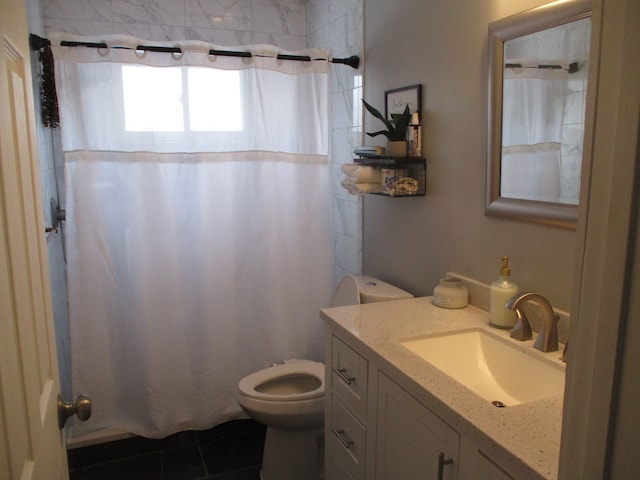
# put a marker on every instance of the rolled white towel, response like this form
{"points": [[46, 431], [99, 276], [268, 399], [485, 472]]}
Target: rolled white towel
{"points": [[406, 186], [361, 173], [360, 188]]}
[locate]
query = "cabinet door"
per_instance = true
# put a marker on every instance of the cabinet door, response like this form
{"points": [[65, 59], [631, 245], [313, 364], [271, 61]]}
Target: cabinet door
{"points": [[487, 469], [410, 438], [338, 472]]}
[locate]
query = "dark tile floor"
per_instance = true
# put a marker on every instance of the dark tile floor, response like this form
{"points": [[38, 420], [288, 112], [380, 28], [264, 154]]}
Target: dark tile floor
{"points": [[231, 451]]}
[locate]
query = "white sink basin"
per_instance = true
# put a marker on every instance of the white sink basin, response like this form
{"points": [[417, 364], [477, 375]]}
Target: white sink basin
{"points": [[495, 368]]}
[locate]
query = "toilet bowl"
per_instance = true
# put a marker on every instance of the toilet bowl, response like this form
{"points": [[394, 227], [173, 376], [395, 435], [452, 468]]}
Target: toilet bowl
{"points": [[289, 398]]}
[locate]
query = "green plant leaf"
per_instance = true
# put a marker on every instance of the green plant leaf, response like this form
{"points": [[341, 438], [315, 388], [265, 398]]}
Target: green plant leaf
{"points": [[397, 129], [380, 132], [376, 113]]}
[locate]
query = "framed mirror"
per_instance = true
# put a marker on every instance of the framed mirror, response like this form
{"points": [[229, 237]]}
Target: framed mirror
{"points": [[538, 68]]}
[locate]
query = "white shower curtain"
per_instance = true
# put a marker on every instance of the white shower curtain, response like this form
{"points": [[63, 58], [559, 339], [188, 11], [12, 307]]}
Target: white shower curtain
{"points": [[199, 241], [532, 121]]}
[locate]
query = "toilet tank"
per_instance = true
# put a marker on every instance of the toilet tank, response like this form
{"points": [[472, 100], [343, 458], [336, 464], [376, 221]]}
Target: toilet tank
{"points": [[373, 290], [355, 289]]}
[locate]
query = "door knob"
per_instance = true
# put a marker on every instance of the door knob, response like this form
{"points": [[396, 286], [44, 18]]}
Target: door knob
{"points": [[82, 409]]}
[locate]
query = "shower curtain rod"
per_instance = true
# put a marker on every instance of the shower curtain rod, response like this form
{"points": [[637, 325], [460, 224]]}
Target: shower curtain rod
{"points": [[572, 68], [38, 43]]}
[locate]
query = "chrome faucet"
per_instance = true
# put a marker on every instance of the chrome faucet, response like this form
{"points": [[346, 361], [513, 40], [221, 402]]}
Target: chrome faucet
{"points": [[547, 340]]}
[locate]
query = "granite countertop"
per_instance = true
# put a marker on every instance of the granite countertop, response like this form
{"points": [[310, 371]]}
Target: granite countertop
{"points": [[524, 438]]}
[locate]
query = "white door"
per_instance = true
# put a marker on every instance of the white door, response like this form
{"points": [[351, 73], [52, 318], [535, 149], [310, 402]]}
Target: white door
{"points": [[31, 444]]}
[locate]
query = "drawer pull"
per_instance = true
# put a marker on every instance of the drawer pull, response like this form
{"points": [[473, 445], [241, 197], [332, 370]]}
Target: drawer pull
{"points": [[342, 373], [441, 464], [340, 436]]}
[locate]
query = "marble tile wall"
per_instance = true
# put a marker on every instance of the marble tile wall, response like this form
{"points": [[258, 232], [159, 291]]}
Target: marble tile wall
{"points": [[338, 25], [52, 177], [52, 173], [577, 41], [222, 22]]}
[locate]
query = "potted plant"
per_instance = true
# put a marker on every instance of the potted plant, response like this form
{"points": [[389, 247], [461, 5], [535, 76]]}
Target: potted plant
{"points": [[396, 131]]}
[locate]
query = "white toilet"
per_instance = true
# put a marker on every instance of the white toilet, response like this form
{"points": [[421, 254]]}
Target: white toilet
{"points": [[289, 398]]}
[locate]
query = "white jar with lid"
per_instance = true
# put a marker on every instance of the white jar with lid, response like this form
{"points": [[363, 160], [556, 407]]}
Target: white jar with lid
{"points": [[451, 293]]}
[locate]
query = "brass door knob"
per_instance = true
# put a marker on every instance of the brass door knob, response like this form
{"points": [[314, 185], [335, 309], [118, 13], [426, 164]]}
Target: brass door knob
{"points": [[82, 409]]}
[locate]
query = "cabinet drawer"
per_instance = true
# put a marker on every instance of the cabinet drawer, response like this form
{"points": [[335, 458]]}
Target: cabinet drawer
{"points": [[349, 378], [348, 440]]}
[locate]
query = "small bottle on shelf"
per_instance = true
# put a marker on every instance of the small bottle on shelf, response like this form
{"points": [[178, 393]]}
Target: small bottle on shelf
{"points": [[415, 136]]}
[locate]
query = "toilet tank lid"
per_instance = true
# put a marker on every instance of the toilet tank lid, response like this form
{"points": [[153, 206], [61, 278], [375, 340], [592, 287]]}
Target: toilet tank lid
{"points": [[376, 290], [356, 289]]}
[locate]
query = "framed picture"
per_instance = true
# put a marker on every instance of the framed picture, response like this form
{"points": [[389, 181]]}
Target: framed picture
{"points": [[397, 99]]}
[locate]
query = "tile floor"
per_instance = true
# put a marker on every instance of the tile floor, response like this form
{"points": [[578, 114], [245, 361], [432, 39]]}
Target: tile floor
{"points": [[231, 451]]}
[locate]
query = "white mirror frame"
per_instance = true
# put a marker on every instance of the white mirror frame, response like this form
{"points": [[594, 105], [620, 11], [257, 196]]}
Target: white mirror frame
{"points": [[525, 23]]}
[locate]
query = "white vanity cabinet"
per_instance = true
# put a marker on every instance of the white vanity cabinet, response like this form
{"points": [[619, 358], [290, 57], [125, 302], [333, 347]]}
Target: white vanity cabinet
{"points": [[392, 416], [376, 429], [411, 442]]}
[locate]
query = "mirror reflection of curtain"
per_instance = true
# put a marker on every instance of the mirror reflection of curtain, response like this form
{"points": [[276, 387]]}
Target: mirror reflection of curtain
{"points": [[199, 231], [533, 111]]}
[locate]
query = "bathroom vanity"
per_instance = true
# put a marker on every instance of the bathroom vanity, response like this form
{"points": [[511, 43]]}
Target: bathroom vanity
{"points": [[392, 414]]}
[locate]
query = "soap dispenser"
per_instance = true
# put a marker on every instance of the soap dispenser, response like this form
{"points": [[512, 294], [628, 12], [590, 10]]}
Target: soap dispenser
{"points": [[500, 292]]}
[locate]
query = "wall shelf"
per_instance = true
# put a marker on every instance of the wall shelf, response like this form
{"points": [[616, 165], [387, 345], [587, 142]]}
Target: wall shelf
{"points": [[401, 176]]}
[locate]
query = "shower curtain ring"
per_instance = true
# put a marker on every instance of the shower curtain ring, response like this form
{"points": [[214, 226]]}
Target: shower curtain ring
{"points": [[104, 51]]}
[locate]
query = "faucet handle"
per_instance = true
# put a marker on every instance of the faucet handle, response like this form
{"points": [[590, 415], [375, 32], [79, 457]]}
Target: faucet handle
{"points": [[522, 329]]}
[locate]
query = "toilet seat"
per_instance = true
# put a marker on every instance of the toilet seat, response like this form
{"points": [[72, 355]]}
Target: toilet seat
{"points": [[291, 368]]}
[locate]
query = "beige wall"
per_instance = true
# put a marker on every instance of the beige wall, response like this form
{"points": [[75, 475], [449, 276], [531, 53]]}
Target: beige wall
{"points": [[412, 242]]}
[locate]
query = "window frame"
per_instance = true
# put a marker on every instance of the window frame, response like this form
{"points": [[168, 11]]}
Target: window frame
{"points": [[134, 138]]}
